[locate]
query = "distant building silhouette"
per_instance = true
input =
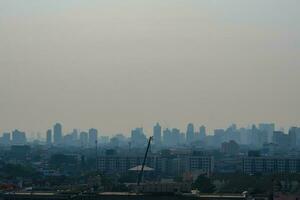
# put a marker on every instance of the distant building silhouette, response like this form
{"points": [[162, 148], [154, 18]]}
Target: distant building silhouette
{"points": [[57, 134], [5, 139], [268, 129], [83, 138], [190, 133], [93, 137], [202, 132], [138, 138], [157, 135], [18, 137], [167, 137], [49, 137], [230, 148], [282, 139]]}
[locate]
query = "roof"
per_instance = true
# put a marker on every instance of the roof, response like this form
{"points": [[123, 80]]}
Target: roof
{"points": [[139, 168]]}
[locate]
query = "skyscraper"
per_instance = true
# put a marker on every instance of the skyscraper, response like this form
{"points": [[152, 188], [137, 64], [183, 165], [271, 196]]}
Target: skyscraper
{"points": [[167, 137], [268, 129], [157, 135], [202, 132], [83, 137], [294, 134], [18, 137], [138, 138], [49, 137], [57, 134], [93, 137], [5, 139], [190, 133]]}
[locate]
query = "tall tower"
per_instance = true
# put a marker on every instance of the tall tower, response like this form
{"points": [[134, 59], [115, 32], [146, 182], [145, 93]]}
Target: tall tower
{"points": [[202, 132], [157, 135], [83, 138], [190, 133], [93, 137], [49, 137], [57, 134]]}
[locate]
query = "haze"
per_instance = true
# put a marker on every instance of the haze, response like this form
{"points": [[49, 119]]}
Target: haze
{"points": [[115, 65]]}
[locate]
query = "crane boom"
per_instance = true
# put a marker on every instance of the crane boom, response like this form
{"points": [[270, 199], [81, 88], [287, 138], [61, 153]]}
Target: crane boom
{"points": [[144, 162]]}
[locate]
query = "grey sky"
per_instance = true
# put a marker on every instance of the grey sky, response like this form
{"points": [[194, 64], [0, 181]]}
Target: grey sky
{"points": [[118, 64]]}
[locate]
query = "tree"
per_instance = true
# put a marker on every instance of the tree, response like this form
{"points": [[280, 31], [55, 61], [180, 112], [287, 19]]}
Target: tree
{"points": [[204, 185]]}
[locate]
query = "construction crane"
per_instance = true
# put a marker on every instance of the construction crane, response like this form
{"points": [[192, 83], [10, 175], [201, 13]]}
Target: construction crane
{"points": [[144, 162]]}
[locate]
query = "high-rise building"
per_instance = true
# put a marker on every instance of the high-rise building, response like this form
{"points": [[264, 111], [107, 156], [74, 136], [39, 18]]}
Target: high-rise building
{"points": [[138, 138], [83, 137], [157, 135], [231, 148], [190, 133], [49, 137], [167, 137], [269, 129], [219, 137], [18, 137], [5, 139], [294, 134], [175, 136], [202, 132], [93, 137], [282, 139], [74, 135], [57, 136]]}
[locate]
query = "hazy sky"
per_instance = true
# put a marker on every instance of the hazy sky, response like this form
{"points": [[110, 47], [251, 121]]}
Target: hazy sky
{"points": [[119, 64]]}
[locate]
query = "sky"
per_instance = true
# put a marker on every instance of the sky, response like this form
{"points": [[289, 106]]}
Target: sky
{"points": [[115, 65]]}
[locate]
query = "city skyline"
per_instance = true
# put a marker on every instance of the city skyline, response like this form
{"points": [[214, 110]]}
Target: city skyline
{"points": [[114, 65], [147, 130]]}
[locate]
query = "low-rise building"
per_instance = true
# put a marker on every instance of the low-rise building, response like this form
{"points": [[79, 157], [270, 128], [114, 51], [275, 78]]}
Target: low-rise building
{"points": [[170, 166], [253, 165]]}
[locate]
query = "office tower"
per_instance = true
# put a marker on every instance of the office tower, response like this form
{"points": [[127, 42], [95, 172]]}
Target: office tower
{"points": [[293, 132], [202, 133], [75, 135], [83, 138], [18, 137], [93, 137], [232, 133], [282, 139], [175, 136], [219, 137], [231, 148], [172, 137], [5, 139], [190, 133], [138, 138], [49, 137], [297, 130], [167, 137], [68, 140], [258, 137], [119, 140], [245, 136], [57, 136], [267, 129], [157, 135]]}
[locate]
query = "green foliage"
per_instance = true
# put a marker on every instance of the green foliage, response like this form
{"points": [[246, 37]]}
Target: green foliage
{"points": [[204, 185], [256, 184]]}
